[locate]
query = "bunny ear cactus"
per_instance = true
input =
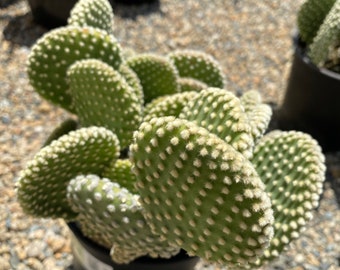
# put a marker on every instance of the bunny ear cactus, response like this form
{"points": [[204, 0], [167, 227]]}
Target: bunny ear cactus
{"points": [[259, 114], [310, 16], [221, 112], [97, 14], [115, 215], [200, 66], [169, 105], [327, 37], [157, 75], [42, 185], [291, 165], [102, 97], [200, 193], [57, 50]]}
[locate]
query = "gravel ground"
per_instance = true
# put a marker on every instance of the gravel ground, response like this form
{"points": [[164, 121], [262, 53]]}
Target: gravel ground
{"points": [[250, 38]]}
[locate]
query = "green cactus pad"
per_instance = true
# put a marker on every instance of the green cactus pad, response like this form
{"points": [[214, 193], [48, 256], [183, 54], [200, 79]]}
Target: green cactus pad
{"points": [[121, 172], [42, 184], [64, 128], [200, 193], [52, 55], [200, 66], [113, 216], [189, 84], [310, 16], [133, 80], [102, 97], [157, 75], [327, 37], [97, 14], [292, 167], [222, 113], [259, 114], [170, 105]]}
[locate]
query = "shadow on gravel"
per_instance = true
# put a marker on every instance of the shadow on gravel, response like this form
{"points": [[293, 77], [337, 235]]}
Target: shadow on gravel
{"points": [[22, 30], [133, 11]]}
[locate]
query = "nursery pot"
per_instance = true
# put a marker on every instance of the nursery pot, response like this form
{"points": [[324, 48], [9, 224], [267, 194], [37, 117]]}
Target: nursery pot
{"points": [[51, 13], [312, 101], [88, 255]]}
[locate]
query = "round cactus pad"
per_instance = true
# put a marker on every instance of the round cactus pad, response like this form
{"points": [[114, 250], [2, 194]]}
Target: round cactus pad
{"points": [[291, 165], [102, 97], [52, 55], [42, 184], [200, 193]]}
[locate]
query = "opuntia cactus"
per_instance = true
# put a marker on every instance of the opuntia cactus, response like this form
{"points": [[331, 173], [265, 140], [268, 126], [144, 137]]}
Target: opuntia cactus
{"points": [[200, 193], [42, 185], [98, 14], [159, 156], [318, 23], [56, 51]]}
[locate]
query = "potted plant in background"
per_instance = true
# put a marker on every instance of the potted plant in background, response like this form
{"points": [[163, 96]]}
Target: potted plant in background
{"points": [[159, 160], [311, 102], [54, 13]]}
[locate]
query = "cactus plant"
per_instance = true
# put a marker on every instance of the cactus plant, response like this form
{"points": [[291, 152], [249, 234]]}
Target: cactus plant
{"points": [[161, 157], [97, 14], [318, 23]]}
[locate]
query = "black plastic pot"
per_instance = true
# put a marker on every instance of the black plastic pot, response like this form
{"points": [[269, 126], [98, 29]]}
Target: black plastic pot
{"points": [[312, 101], [54, 13], [88, 255]]}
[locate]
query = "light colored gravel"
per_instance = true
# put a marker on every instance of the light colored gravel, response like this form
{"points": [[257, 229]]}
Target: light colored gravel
{"points": [[250, 38]]}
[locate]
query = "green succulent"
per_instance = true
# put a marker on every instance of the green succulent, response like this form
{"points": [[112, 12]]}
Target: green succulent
{"points": [[318, 23], [42, 184], [102, 97], [157, 75], [198, 65], [159, 156], [98, 14], [57, 50]]}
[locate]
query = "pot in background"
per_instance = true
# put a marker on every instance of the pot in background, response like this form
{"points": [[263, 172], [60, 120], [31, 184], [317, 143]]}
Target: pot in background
{"points": [[88, 255], [54, 13], [312, 101]]}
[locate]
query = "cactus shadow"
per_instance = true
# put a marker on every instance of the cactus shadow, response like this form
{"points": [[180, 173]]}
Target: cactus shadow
{"points": [[133, 11], [22, 30]]}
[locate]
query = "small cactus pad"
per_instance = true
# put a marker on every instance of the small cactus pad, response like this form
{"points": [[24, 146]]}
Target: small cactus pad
{"points": [[200, 193], [189, 84], [42, 184], [200, 66], [98, 14], [157, 75], [121, 172], [170, 105], [64, 128], [221, 112], [52, 55], [310, 16], [292, 167], [259, 114], [115, 215], [102, 97], [327, 37]]}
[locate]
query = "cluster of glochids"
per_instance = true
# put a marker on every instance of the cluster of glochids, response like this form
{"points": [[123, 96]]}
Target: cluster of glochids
{"points": [[319, 28], [160, 157]]}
